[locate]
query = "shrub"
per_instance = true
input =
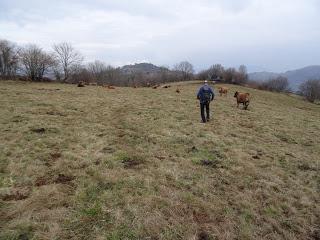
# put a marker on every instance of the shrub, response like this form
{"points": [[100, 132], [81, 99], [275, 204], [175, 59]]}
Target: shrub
{"points": [[279, 84], [311, 90]]}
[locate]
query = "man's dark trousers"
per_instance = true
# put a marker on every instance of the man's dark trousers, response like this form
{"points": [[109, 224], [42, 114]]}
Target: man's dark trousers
{"points": [[205, 105]]}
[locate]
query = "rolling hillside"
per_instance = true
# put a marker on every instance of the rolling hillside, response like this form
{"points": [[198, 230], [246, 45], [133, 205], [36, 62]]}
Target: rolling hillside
{"points": [[295, 77], [93, 163]]}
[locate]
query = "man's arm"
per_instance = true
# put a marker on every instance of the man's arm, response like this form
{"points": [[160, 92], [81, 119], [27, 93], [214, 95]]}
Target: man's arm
{"points": [[199, 92], [212, 94]]}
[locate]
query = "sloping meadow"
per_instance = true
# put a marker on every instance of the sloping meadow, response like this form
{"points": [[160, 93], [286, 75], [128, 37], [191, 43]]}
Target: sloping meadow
{"points": [[136, 163]]}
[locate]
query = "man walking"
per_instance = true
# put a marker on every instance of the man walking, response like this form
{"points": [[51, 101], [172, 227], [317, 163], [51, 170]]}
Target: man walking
{"points": [[205, 95]]}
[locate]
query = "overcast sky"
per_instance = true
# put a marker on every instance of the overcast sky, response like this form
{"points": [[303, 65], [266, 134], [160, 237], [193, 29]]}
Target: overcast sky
{"points": [[273, 35]]}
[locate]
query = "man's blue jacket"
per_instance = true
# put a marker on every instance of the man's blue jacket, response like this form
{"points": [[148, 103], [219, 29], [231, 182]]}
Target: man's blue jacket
{"points": [[201, 93]]}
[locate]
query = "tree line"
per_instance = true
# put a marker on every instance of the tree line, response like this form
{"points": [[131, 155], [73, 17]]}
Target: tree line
{"points": [[66, 64], [33, 63], [219, 73]]}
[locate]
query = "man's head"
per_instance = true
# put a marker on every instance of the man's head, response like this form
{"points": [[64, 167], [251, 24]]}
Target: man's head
{"points": [[205, 82]]}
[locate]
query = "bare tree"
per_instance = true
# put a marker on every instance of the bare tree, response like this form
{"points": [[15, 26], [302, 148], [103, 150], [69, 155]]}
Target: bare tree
{"points": [[67, 57], [185, 69], [97, 70], [311, 90], [203, 74], [164, 74], [35, 62], [215, 71], [79, 73], [112, 75], [135, 77], [279, 84], [8, 59], [229, 75], [242, 75]]}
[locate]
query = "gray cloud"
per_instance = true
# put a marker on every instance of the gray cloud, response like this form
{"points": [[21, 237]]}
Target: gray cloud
{"points": [[270, 35]]}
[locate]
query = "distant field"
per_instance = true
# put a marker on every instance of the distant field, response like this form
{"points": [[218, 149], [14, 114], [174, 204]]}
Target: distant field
{"points": [[92, 163]]}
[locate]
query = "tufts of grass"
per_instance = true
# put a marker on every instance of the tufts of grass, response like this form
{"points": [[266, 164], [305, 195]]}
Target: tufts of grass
{"points": [[21, 231], [129, 160], [210, 158]]}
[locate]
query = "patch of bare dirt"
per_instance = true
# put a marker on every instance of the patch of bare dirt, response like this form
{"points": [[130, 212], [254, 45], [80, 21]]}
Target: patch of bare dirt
{"points": [[41, 181], [60, 179], [38, 130], [214, 163], [202, 235], [64, 179], [55, 155], [201, 217], [56, 113], [306, 167], [108, 150], [15, 195], [47, 89], [315, 235], [132, 162]]}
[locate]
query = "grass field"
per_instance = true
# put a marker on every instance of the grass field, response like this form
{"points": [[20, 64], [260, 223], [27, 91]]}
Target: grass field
{"points": [[92, 163]]}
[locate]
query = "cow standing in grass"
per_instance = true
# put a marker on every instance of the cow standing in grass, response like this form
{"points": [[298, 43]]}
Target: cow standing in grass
{"points": [[205, 95], [243, 98], [223, 90]]}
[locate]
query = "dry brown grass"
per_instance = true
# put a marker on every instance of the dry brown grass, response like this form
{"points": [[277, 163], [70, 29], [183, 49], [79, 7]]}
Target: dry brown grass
{"points": [[86, 163]]}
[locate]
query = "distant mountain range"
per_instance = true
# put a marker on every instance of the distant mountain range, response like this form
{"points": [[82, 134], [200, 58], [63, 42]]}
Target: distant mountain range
{"points": [[295, 77]]}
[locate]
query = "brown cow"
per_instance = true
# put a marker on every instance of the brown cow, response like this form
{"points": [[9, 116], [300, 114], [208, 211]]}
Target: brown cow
{"points": [[110, 87], [243, 98], [223, 90], [81, 84], [177, 90]]}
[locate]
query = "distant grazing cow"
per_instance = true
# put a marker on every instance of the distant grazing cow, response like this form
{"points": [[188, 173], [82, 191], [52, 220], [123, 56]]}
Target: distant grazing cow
{"points": [[177, 90], [155, 86], [243, 98], [223, 90], [166, 86], [110, 87], [81, 84]]}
